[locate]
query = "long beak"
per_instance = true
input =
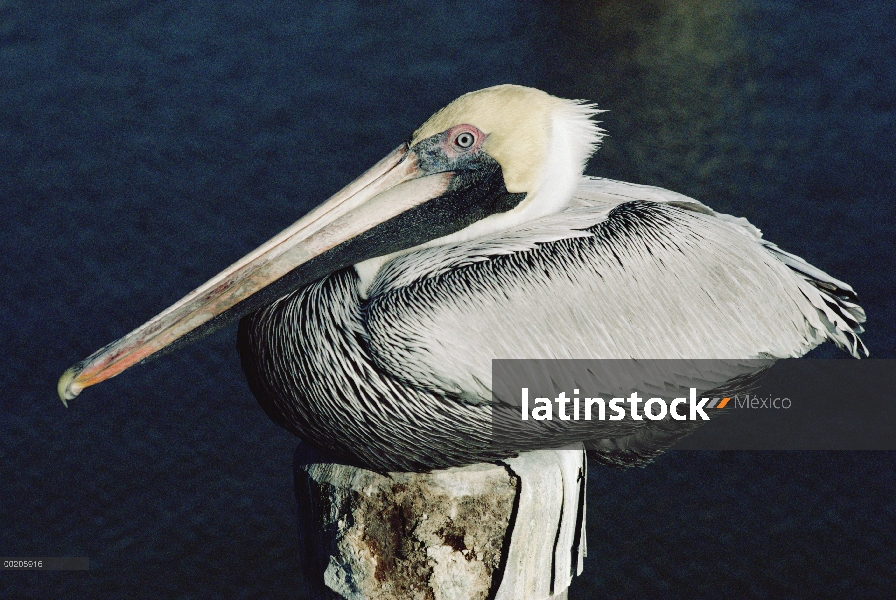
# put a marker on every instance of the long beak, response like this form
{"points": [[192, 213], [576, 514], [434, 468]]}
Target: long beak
{"points": [[393, 186]]}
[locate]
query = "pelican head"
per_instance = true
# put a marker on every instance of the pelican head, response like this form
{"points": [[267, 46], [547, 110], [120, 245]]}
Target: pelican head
{"points": [[489, 160]]}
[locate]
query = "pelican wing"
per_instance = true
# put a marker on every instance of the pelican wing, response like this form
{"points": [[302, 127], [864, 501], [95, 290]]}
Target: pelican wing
{"points": [[627, 271]]}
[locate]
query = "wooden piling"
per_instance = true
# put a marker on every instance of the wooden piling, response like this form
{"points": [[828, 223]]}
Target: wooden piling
{"points": [[514, 530]]}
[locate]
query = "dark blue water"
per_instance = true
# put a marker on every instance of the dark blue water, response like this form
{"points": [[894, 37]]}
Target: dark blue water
{"points": [[146, 145]]}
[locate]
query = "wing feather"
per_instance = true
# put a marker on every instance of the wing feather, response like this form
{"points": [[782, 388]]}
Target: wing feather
{"points": [[627, 271]]}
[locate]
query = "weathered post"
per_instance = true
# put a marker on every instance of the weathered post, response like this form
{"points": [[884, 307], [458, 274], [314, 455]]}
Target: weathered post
{"points": [[514, 530]]}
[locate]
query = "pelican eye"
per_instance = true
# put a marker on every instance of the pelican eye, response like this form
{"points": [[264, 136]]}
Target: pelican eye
{"points": [[465, 140]]}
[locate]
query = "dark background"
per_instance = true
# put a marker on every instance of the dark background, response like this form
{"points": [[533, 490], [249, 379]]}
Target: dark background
{"points": [[146, 145]]}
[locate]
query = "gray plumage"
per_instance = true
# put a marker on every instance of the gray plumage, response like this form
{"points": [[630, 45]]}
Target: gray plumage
{"points": [[401, 379]]}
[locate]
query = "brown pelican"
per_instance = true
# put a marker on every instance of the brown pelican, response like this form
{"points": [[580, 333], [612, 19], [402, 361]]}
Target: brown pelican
{"points": [[368, 326]]}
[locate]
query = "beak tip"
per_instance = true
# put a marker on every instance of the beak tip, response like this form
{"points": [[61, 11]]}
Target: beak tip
{"points": [[67, 388]]}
